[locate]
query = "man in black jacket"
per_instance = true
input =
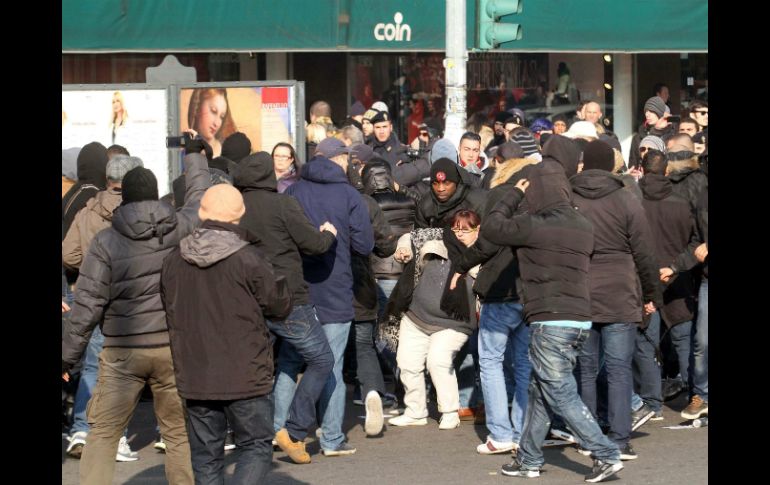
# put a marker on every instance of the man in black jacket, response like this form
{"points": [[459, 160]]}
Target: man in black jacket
{"points": [[285, 232], [448, 195], [385, 143], [622, 250], [554, 243], [119, 285], [217, 290]]}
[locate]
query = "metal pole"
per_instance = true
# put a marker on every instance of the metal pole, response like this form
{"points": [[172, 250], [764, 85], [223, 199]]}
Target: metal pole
{"points": [[455, 64]]}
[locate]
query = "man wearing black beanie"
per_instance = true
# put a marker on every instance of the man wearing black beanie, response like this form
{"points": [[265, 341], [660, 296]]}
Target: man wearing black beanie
{"points": [[448, 195], [236, 147], [119, 286], [623, 250]]}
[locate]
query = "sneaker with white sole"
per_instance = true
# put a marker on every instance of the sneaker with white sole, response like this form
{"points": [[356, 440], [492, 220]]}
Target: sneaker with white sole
{"points": [[160, 445], [405, 420], [516, 469], [374, 414], [563, 434], [627, 452], [229, 441], [602, 470], [77, 442], [641, 416], [492, 447], [124, 453], [658, 416], [449, 421], [342, 450]]}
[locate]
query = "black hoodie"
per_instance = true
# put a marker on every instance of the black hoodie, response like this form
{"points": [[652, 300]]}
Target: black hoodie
{"points": [[554, 244], [92, 177], [433, 213], [564, 151], [280, 223], [623, 248]]}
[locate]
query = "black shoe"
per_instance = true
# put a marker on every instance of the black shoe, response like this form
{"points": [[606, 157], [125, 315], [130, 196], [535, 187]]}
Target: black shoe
{"points": [[514, 469], [641, 416], [229, 441], [627, 453], [671, 388], [602, 470]]}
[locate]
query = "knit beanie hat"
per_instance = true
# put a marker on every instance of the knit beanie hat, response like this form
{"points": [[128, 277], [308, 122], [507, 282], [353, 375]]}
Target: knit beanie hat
{"points": [[443, 148], [139, 184], [598, 155], [656, 105], [222, 203], [444, 170], [526, 141], [654, 142], [236, 147], [120, 165], [357, 109], [509, 150]]}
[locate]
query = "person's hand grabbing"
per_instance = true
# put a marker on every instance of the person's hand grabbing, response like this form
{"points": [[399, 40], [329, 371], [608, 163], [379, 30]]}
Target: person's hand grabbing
{"points": [[522, 185], [328, 226], [649, 308], [64, 307], [403, 255], [702, 252], [666, 274], [453, 283], [198, 145]]}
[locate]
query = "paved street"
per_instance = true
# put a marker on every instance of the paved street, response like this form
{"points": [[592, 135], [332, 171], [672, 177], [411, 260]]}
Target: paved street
{"points": [[425, 455]]}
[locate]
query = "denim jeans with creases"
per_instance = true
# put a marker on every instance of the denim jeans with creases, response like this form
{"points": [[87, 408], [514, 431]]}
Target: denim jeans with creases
{"points": [[467, 371], [553, 352], [646, 370], [368, 368], [331, 406], [304, 341], [617, 342], [700, 371], [251, 421], [87, 381], [501, 326]]}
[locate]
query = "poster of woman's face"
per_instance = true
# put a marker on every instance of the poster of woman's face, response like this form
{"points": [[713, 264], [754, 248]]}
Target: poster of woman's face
{"points": [[263, 114]]}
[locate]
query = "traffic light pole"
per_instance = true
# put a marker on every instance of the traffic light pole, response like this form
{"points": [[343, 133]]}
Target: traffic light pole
{"points": [[455, 65]]}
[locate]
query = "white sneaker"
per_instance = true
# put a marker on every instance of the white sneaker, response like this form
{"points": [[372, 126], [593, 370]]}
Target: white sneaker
{"points": [[77, 442], [449, 421], [124, 451], [405, 420], [374, 418], [492, 447]]}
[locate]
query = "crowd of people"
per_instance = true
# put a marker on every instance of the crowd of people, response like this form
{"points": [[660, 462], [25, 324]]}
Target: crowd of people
{"points": [[524, 279]]}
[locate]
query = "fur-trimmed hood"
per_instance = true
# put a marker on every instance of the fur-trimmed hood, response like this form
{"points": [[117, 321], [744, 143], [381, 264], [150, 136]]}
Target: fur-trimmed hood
{"points": [[507, 169], [682, 165]]}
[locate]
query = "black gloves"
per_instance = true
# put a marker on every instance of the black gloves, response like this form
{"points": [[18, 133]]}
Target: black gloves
{"points": [[197, 145]]}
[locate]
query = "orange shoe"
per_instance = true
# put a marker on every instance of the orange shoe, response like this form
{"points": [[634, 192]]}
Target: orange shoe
{"points": [[466, 414]]}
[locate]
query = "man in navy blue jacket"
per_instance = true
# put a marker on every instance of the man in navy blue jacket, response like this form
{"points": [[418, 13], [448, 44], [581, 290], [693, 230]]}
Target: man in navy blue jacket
{"points": [[325, 194]]}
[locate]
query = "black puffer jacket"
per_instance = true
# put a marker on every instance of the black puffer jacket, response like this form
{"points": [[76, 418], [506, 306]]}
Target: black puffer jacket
{"points": [[554, 244], [623, 248], [433, 213], [399, 212], [119, 281], [217, 290], [689, 180], [280, 223], [672, 227]]}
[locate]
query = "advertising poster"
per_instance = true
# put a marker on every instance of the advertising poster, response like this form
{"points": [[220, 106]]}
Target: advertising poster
{"points": [[264, 114], [135, 119]]}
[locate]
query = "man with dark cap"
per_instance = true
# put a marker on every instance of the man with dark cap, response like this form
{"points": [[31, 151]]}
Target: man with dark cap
{"points": [[656, 123], [553, 242], [325, 194], [219, 341], [563, 151], [385, 143], [236, 147], [449, 194], [119, 286], [500, 119], [623, 250], [285, 234]]}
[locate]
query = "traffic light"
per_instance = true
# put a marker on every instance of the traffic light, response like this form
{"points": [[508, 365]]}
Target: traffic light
{"points": [[492, 33]]}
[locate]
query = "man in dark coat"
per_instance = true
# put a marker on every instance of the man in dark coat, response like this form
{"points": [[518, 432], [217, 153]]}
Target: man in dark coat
{"points": [[385, 143], [325, 194], [684, 170], [285, 232], [119, 285], [554, 243], [448, 195], [622, 250], [217, 290]]}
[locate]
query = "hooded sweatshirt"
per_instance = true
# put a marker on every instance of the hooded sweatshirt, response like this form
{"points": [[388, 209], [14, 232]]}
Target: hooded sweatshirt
{"points": [[217, 290], [284, 229], [564, 151], [325, 194], [554, 244], [92, 177], [432, 212], [95, 216], [623, 248]]}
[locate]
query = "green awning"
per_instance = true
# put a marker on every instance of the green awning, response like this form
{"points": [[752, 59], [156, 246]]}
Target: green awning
{"points": [[93, 26]]}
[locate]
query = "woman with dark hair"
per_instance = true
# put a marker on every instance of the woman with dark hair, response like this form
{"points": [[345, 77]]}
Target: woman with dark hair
{"points": [[285, 165], [209, 116]]}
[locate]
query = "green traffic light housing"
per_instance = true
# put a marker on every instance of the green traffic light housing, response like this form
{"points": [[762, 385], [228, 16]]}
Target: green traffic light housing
{"points": [[492, 33]]}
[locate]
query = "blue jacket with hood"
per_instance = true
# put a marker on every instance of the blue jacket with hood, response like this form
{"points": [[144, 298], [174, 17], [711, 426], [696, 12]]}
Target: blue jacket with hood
{"points": [[325, 194]]}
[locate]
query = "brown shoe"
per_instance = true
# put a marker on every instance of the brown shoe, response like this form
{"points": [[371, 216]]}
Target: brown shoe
{"points": [[466, 414], [295, 449], [696, 408]]}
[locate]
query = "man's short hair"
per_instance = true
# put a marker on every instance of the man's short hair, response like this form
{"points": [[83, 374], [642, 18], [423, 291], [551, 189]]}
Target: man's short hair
{"points": [[658, 86], [321, 108], [698, 103], [654, 162], [469, 135], [353, 134], [688, 120], [116, 150]]}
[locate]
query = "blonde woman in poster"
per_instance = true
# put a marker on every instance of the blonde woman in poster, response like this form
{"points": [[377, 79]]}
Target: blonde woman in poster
{"points": [[119, 115], [209, 115]]}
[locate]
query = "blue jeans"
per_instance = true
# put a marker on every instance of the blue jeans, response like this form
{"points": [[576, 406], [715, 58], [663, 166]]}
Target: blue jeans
{"points": [[303, 341], [87, 381], [467, 371], [501, 327], [617, 342], [681, 335], [250, 420], [384, 289], [700, 371], [332, 403], [646, 369], [553, 352], [368, 368]]}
